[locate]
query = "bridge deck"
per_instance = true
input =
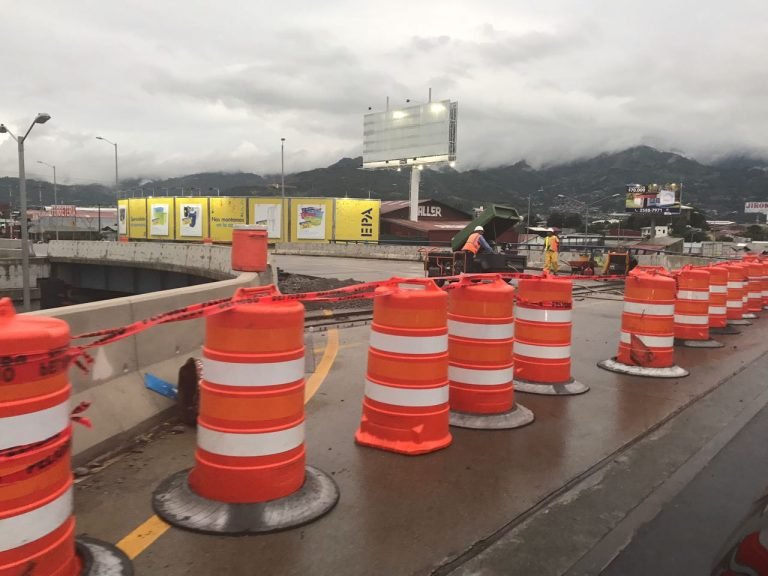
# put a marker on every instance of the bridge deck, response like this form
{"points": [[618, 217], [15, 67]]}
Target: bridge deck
{"points": [[411, 515]]}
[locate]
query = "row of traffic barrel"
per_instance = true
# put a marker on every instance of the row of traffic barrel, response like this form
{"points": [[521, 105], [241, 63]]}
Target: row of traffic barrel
{"points": [[685, 308]]}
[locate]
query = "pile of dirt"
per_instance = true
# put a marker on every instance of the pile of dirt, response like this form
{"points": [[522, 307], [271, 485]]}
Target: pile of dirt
{"points": [[300, 283]]}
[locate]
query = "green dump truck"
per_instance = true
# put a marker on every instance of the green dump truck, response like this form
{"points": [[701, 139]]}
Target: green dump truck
{"points": [[495, 220]]}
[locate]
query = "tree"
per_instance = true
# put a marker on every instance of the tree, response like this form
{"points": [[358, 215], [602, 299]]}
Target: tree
{"points": [[756, 233]]}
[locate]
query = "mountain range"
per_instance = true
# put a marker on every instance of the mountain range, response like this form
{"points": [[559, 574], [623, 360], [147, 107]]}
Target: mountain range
{"points": [[719, 189]]}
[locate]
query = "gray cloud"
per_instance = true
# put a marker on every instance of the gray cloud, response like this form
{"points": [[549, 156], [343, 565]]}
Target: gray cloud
{"points": [[191, 86]]}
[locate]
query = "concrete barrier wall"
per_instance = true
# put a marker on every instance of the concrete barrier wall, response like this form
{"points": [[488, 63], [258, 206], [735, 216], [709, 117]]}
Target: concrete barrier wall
{"points": [[11, 244], [203, 260], [673, 262], [121, 406], [372, 251], [10, 272]]}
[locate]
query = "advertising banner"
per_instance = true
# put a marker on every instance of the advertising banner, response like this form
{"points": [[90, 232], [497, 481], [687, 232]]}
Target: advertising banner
{"points": [[225, 213], [122, 217], [653, 198], [65, 210], [191, 219], [310, 221], [269, 214], [756, 208], [357, 220], [161, 219], [137, 218]]}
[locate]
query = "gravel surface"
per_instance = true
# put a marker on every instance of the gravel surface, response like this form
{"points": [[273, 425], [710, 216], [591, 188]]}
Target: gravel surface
{"points": [[299, 283]]}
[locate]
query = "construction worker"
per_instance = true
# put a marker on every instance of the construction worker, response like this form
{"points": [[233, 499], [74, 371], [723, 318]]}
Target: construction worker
{"points": [[474, 243], [551, 249]]}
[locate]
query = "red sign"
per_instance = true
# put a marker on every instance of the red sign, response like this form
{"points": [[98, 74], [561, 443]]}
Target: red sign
{"points": [[65, 210]]}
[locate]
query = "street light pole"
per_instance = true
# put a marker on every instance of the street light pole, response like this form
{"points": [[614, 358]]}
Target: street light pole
{"points": [[41, 118], [55, 195], [282, 167], [117, 181]]}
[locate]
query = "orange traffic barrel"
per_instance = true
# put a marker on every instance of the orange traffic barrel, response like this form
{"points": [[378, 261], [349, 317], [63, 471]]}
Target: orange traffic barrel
{"points": [[249, 248], [405, 408], [646, 344], [754, 286], [736, 295], [718, 301], [37, 526], [250, 455], [543, 327], [692, 309], [480, 370], [123, 239], [764, 262]]}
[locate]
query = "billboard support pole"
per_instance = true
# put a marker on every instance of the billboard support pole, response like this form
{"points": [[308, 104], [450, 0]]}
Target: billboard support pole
{"points": [[415, 181]]}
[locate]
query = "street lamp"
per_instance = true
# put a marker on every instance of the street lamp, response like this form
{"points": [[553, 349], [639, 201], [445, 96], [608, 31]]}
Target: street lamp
{"points": [[41, 118], [587, 206], [282, 166], [55, 195], [540, 190], [115, 145]]}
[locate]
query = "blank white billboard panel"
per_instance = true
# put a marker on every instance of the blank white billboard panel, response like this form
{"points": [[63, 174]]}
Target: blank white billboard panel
{"points": [[421, 134]]}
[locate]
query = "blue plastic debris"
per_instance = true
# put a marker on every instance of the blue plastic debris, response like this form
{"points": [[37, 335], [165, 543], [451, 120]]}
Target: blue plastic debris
{"points": [[160, 386]]}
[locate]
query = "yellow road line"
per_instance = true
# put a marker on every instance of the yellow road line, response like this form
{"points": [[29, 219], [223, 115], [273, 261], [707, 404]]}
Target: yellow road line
{"points": [[145, 535], [329, 356]]}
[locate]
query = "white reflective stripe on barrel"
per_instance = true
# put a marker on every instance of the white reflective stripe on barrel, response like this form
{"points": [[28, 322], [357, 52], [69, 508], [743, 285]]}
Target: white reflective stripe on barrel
{"points": [[541, 315], [481, 331], [756, 295], [650, 341], [17, 531], [692, 295], [717, 310], [33, 427], [413, 397], [735, 304], [542, 352], [480, 377], [735, 285], [718, 289], [649, 309], [694, 320], [409, 344], [247, 374], [250, 444]]}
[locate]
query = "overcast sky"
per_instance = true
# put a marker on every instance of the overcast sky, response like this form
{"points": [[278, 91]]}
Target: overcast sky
{"points": [[198, 85]]}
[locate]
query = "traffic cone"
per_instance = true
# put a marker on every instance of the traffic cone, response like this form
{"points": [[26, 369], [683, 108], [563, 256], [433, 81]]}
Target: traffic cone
{"points": [[692, 309], [480, 371], [250, 474]]}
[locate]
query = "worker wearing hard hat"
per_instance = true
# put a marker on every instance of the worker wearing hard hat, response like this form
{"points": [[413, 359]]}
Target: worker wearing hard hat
{"points": [[551, 249], [474, 243]]}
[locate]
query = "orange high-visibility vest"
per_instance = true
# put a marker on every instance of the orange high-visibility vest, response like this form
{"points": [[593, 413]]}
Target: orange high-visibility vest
{"points": [[551, 243], [473, 243]]}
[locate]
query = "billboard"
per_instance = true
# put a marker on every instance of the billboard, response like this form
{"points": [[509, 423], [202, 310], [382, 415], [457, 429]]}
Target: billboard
{"points": [[137, 218], [311, 219], [268, 212], [225, 213], [191, 218], [420, 134], [161, 221], [357, 220], [653, 198], [122, 217], [756, 207], [65, 210]]}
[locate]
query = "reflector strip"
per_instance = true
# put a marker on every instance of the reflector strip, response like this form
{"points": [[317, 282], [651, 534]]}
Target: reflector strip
{"points": [[539, 315], [756, 295], [718, 289], [717, 310], [691, 320], [692, 295], [246, 445], [481, 331], [413, 397], [649, 309], [735, 304], [409, 344], [480, 377], [542, 352], [247, 374], [33, 427], [31, 526], [650, 341], [735, 285]]}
